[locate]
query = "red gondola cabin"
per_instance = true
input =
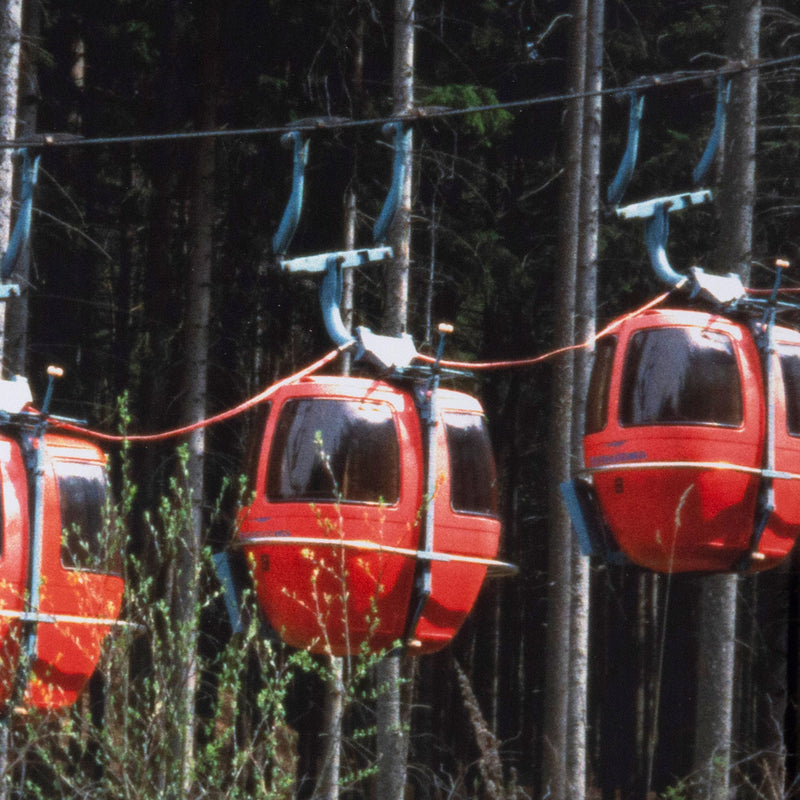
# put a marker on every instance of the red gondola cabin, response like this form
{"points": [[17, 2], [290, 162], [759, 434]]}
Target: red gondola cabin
{"points": [[333, 535], [80, 583], [675, 441]]}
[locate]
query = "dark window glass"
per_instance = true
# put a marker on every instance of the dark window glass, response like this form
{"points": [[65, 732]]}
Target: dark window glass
{"points": [[473, 475], [790, 366], [599, 385], [681, 376], [335, 450], [256, 442], [82, 494]]}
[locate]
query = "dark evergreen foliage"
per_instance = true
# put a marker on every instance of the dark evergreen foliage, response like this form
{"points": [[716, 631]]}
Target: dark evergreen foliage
{"points": [[110, 266]]}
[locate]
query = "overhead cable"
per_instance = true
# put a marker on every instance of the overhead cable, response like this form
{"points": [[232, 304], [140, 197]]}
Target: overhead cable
{"points": [[651, 82]]}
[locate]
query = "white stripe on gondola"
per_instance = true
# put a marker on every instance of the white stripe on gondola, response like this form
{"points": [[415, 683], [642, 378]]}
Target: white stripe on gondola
{"points": [[31, 616], [711, 465], [492, 565]]}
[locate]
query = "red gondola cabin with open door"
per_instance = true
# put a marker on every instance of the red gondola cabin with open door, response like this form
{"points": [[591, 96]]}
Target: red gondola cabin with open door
{"points": [[333, 534], [675, 441]]}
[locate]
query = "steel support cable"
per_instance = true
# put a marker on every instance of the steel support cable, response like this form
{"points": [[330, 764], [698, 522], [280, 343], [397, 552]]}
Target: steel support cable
{"points": [[648, 83]]}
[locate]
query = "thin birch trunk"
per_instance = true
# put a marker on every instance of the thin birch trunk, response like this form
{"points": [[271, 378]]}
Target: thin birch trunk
{"points": [[585, 308], [10, 37], [16, 324], [554, 774], [198, 319]]}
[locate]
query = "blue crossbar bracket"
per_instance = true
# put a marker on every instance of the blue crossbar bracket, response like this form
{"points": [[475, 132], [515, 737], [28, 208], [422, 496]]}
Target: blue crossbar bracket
{"points": [[222, 567], [674, 202], [345, 258], [590, 529]]}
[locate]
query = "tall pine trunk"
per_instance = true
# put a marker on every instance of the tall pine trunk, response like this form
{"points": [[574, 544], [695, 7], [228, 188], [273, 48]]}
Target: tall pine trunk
{"points": [[392, 742], [559, 596], [585, 315], [16, 323], [10, 35], [714, 725], [10, 38], [198, 319]]}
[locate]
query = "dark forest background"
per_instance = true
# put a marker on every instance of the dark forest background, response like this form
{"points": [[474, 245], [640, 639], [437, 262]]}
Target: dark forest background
{"points": [[108, 297]]}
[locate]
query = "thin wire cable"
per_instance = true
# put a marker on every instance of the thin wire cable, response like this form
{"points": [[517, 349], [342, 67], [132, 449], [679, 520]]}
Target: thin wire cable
{"points": [[651, 82]]}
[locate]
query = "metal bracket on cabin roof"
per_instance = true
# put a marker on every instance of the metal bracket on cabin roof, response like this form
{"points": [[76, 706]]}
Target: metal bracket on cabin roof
{"points": [[718, 289]]}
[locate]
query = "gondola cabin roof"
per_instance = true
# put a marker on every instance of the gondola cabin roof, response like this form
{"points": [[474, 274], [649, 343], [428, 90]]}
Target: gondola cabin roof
{"points": [[334, 533], [675, 441]]}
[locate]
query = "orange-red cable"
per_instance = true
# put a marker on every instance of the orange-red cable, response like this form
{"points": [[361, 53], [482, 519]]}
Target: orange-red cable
{"points": [[232, 412], [527, 362], [264, 395]]}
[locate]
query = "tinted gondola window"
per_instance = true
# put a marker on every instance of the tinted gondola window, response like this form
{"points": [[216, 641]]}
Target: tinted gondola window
{"points": [[82, 494], [473, 475], [599, 385], [335, 450], [790, 367], [681, 376]]}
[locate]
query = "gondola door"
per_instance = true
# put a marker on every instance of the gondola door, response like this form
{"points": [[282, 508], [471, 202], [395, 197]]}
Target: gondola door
{"points": [[466, 522], [783, 525], [81, 573]]}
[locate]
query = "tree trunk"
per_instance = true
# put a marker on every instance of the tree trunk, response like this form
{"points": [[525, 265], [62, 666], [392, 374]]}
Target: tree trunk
{"points": [[392, 742], [10, 35], [556, 705], [585, 315], [734, 254], [736, 194], [16, 327], [198, 318], [328, 780], [10, 38], [395, 317], [715, 686]]}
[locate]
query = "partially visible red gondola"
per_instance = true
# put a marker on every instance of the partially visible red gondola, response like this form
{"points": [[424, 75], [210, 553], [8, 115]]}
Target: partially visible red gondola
{"points": [[675, 441], [692, 440], [334, 536], [60, 584]]}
